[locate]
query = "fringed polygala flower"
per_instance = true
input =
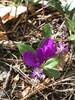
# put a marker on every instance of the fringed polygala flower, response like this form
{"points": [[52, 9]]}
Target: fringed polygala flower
{"points": [[33, 59], [46, 50]]}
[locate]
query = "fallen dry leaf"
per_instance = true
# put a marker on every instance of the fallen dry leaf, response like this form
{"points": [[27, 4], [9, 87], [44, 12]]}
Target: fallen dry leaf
{"points": [[3, 36], [25, 91], [9, 12]]}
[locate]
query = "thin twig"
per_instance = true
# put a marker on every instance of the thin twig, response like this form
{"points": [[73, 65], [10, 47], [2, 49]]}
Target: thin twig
{"points": [[65, 90], [5, 85], [39, 10], [17, 69], [1, 98]]}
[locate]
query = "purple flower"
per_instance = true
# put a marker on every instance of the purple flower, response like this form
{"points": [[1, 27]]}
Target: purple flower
{"points": [[33, 59], [63, 48], [49, 48], [38, 73], [41, 54]]}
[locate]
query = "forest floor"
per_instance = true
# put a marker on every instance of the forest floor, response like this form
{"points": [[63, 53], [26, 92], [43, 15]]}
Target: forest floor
{"points": [[15, 83]]}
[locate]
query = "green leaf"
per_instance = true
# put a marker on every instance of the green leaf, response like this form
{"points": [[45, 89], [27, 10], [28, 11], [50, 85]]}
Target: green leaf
{"points": [[24, 47], [50, 68], [72, 37], [70, 23], [17, 1], [73, 19], [47, 30], [66, 9], [56, 5], [51, 63], [70, 2], [52, 73]]}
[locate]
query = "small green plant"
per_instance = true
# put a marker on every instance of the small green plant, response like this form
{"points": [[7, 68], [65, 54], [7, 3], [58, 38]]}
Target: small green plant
{"points": [[45, 58], [70, 22], [56, 5], [17, 1], [68, 14]]}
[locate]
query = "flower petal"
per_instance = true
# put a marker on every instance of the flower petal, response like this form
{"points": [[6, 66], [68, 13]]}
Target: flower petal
{"points": [[49, 51], [40, 55], [63, 48], [30, 59], [49, 47], [47, 41], [38, 73]]}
